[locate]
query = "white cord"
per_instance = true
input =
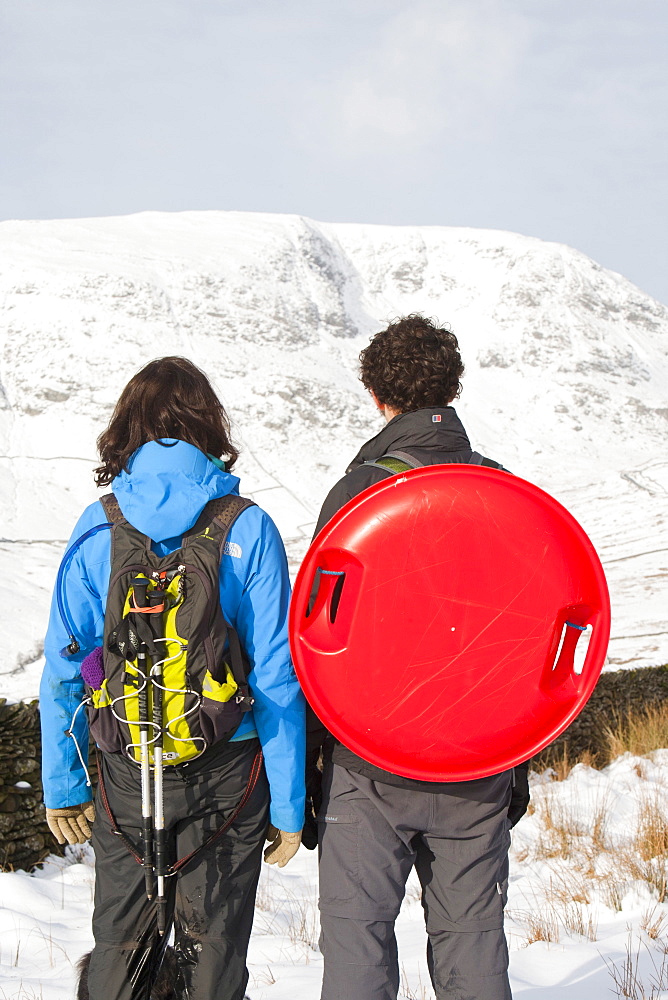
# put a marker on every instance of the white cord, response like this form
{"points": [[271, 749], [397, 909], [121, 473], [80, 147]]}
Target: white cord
{"points": [[70, 732]]}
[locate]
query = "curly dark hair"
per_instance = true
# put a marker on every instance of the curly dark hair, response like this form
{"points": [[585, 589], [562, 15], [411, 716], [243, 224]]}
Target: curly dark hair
{"points": [[412, 364], [167, 398]]}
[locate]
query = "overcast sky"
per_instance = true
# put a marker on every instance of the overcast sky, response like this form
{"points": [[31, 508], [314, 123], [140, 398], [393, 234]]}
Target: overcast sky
{"points": [[544, 117]]}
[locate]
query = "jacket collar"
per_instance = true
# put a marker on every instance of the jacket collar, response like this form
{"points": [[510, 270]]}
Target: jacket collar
{"points": [[416, 429]]}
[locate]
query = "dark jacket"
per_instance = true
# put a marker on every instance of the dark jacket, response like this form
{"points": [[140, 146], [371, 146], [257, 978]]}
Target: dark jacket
{"points": [[433, 436], [431, 442]]}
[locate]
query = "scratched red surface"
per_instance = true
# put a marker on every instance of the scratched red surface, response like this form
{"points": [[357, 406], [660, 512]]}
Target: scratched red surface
{"points": [[435, 655]]}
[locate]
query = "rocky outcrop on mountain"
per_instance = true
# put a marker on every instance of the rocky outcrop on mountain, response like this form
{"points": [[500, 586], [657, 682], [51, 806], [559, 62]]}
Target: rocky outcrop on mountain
{"points": [[566, 382]]}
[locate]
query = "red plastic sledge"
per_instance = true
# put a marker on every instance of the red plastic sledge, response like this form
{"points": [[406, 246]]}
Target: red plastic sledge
{"points": [[441, 642]]}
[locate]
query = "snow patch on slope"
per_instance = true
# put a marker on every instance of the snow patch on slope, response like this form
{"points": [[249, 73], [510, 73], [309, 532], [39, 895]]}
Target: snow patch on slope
{"points": [[567, 376]]}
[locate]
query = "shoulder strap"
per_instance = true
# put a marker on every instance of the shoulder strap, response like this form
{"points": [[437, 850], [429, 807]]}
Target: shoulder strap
{"points": [[111, 509], [225, 510], [221, 512], [401, 461], [395, 461], [478, 459]]}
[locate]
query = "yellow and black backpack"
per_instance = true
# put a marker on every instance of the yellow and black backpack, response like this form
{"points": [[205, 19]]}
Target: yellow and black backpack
{"points": [[169, 662]]}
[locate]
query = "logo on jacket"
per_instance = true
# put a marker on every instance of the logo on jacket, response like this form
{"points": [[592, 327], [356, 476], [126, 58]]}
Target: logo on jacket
{"points": [[436, 418], [232, 549]]}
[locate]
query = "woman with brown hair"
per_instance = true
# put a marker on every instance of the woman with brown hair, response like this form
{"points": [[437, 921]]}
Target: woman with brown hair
{"points": [[170, 622]]}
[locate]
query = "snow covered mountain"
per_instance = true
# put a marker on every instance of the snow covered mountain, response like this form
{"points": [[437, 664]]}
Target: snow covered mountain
{"points": [[567, 377]]}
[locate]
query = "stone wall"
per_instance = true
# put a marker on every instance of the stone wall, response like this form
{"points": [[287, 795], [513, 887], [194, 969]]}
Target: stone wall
{"points": [[25, 838], [616, 696]]}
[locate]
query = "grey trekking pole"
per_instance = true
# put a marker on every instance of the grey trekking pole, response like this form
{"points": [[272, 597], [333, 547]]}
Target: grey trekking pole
{"points": [[157, 600], [139, 585]]}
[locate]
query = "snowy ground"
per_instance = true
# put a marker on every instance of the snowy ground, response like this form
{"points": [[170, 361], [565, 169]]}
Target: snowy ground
{"points": [[566, 378], [586, 904], [567, 369]]}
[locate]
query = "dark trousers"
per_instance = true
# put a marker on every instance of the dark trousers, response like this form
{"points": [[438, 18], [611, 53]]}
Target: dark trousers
{"points": [[211, 899], [371, 835]]}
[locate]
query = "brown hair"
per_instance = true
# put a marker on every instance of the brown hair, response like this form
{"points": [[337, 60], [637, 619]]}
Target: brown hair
{"points": [[167, 398], [413, 364]]}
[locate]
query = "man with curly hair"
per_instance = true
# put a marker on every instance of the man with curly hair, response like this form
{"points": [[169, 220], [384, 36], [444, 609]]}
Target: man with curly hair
{"points": [[374, 826]]}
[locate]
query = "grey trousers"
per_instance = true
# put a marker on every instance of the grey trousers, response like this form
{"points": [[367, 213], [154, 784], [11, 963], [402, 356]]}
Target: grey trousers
{"points": [[371, 835], [212, 898]]}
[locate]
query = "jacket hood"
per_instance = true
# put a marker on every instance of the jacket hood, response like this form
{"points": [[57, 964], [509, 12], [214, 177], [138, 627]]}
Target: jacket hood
{"points": [[168, 485], [433, 431]]}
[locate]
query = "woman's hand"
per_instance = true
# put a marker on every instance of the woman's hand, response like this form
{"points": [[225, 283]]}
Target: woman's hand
{"points": [[71, 825], [283, 846]]}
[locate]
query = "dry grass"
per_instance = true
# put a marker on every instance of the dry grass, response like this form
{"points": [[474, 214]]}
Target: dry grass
{"points": [[578, 921], [266, 978], [568, 886], [562, 834], [561, 762], [540, 926], [654, 872], [613, 891], [285, 913], [563, 906], [651, 839], [587, 859], [644, 857], [24, 993], [654, 923], [626, 977], [639, 733], [304, 922], [419, 992]]}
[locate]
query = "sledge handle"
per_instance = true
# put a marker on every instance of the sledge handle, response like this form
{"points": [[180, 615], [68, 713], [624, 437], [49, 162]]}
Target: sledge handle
{"points": [[327, 612], [559, 671], [326, 591]]}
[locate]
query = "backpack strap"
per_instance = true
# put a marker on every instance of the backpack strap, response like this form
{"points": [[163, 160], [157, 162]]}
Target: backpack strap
{"points": [[478, 459], [401, 461], [395, 461], [223, 511], [112, 509]]}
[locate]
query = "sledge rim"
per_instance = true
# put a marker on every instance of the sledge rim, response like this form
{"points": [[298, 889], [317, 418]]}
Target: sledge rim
{"points": [[599, 619]]}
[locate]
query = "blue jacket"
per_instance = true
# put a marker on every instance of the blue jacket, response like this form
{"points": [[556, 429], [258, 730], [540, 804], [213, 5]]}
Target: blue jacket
{"points": [[163, 495]]}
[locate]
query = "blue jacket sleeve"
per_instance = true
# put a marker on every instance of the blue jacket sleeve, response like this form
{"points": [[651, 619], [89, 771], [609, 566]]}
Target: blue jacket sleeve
{"points": [[62, 689], [255, 595]]}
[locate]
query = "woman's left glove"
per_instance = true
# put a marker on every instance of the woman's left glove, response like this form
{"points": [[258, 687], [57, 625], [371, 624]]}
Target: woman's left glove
{"points": [[283, 846], [71, 824]]}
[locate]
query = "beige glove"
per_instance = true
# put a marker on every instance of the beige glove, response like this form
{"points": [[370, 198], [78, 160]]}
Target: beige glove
{"points": [[283, 846], [71, 824]]}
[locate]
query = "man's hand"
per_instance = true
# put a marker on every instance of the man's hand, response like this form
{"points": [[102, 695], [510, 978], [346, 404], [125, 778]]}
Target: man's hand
{"points": [[71, 824], [283, 846], [519, 803]]}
